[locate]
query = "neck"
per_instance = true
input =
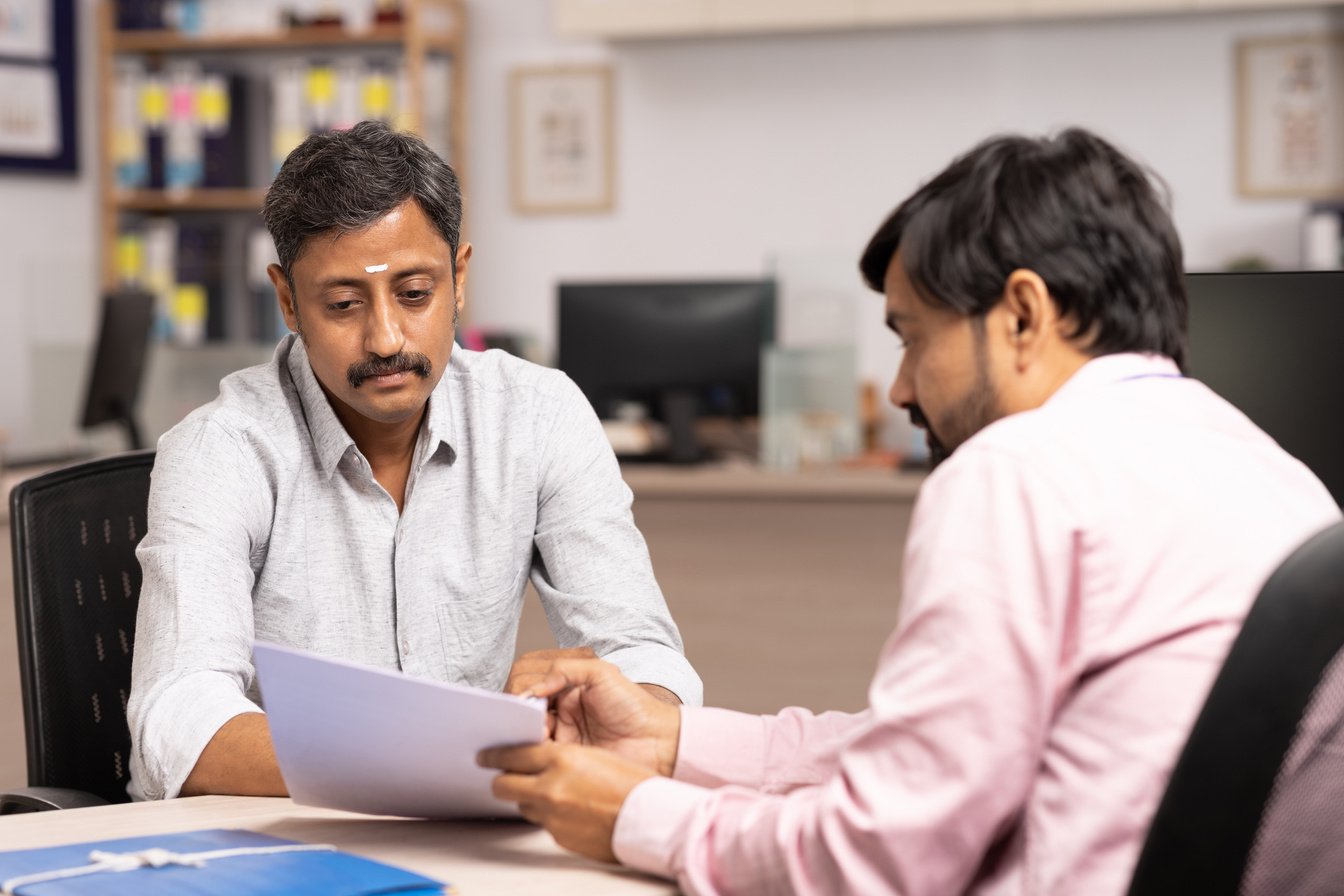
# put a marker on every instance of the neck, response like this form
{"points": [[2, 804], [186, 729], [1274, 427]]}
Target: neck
{"points": [[383, 443], [1044, 380]]}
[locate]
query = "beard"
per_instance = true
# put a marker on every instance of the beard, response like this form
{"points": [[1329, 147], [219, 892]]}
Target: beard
{"points": [[979, 408]]}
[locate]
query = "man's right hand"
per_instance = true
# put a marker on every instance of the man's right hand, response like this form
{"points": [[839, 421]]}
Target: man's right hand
{"points": [[595, 704]]}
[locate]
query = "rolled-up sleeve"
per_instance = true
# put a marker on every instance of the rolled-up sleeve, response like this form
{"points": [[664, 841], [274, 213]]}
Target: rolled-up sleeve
{"points": [[592, 569], [192, 663]]}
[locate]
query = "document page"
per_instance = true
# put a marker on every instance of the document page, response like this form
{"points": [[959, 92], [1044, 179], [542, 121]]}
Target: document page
{"points": [[377, 741]]}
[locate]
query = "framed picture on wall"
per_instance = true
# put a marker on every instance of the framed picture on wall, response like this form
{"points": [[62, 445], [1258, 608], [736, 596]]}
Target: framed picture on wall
{"points": [[561, 139], [1290, 117], [37, 85]]}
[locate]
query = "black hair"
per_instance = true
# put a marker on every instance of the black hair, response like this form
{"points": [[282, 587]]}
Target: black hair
{"points": [[346, 180], [1087, 219]]}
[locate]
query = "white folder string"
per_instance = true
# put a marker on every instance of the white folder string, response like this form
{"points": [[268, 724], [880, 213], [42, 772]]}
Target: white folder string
{"points": [[102, 862]]}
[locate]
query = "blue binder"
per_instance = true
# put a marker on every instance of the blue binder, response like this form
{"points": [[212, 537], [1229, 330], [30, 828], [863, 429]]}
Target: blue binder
{"points": [[331, 873]]}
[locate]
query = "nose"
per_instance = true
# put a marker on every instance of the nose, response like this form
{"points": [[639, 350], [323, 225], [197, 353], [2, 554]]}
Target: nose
{"points": [[902, 393], [383, 336]]}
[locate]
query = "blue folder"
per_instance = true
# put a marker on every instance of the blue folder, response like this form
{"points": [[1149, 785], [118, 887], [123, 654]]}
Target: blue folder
{"points": [[329, 873]]}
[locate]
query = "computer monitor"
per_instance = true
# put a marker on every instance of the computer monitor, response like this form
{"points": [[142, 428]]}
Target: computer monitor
{"points": [[119, 363], [1272, 343], [681, 349]]}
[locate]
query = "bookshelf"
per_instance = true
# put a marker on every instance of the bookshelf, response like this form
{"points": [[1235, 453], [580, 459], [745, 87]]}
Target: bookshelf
{"points": [[415, 47]]}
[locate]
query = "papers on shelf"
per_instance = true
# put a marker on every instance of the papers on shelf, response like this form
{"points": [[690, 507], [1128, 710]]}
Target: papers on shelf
{"points": [[376, 741]]}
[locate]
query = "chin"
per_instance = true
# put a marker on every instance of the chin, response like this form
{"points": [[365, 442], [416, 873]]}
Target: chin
{"points": [[390, 413]]}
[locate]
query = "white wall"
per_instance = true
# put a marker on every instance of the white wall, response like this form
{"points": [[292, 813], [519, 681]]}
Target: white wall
{"points": [[734, 151], [739, 153], [48, 267]]}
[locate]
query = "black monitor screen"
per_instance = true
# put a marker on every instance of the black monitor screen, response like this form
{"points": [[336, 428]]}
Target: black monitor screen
{"points": [[1270, 343], [677, 348], [119, 362]]}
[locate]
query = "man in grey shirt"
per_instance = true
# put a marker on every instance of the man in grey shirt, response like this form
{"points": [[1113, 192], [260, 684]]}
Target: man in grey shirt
{"points": [[372, 493]]}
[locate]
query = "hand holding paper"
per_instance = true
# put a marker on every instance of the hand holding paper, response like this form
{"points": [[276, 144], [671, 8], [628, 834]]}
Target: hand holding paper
{"points": [[376, 741], [596, 705]]}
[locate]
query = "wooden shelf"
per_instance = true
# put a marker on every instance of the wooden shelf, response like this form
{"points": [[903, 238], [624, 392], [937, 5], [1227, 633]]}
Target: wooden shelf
{"points": [[429, 31], [194, 200], [176, 42]]}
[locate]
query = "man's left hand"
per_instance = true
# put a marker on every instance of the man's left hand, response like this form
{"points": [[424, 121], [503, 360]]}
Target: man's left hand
{"points": [[573, 791], [530, 669]]}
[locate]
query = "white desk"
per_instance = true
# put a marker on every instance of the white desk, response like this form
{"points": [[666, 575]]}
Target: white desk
{"points": [[476, 857]]}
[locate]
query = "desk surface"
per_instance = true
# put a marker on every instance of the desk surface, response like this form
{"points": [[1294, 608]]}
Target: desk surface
{"points": [[736, 481], [475, 857]]}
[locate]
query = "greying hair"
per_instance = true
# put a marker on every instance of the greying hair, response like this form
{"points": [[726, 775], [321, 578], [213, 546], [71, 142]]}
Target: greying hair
{"points": [[344, 181]]}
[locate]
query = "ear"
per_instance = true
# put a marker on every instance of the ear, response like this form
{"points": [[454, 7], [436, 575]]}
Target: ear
{"points": [[460, 276], [284, 295], [1029, 314]]}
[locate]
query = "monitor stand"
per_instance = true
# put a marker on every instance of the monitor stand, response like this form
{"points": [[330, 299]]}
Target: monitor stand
{"points": [[679, 409]]}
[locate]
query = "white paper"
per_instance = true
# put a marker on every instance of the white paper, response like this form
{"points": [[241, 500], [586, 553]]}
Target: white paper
{"points": [[370, 740]]}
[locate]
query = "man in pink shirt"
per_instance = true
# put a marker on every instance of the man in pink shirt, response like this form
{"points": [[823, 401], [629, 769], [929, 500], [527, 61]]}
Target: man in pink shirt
{"points": [[1075, 572]]}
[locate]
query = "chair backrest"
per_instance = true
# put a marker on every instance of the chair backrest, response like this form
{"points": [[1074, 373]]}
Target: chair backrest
{"points": [[76, 587], [1255, 804]]}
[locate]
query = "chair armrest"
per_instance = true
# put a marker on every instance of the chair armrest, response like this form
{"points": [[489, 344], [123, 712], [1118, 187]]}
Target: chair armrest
{"points": [[40, 799]]}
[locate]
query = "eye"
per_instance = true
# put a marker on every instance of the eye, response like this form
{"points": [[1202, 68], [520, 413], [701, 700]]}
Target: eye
{"points": [[416, 295], [343, 305]]}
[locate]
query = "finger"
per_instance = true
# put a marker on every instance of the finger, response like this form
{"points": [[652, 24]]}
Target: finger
{"points": [[529, 759], [547, 685], [514, 788], [564, 674], [521, 682], [532, 812]]}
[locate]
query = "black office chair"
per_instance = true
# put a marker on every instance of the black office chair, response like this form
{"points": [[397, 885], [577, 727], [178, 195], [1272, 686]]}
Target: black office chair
{"points": [[1255, 804], [76, 587]]}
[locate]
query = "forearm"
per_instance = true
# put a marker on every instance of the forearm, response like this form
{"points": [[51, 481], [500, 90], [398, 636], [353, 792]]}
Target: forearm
{"points": [[238, 760], [661, 693]]}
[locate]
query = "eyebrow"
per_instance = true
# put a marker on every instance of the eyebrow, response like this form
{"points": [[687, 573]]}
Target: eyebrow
{"points": [[417, 270]]}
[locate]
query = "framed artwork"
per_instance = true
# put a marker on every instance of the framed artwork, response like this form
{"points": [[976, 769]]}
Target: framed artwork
{"points": [[1290, 117], [37, 85], [561, 141]]}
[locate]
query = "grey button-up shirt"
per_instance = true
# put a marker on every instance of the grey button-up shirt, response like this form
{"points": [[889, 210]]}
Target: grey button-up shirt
{"points": [[265, 522]]}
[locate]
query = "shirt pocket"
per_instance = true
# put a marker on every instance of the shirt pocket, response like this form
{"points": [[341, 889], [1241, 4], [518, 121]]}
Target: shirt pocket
{"points": [[479, 633]]}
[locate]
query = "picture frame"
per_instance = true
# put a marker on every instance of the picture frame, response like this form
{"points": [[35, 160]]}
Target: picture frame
{"points": [[37, 87], [1290, 117], [562, 144]]}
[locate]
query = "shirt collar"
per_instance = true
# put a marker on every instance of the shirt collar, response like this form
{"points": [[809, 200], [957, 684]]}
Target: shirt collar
{"points": [[331, 441], [1109, 369]]}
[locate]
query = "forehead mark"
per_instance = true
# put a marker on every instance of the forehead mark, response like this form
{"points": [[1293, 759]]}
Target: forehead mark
{"points": [[374, 268]]}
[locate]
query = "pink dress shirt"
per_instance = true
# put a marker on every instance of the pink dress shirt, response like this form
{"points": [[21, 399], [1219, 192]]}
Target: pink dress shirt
{"points": [[1073, 578]]}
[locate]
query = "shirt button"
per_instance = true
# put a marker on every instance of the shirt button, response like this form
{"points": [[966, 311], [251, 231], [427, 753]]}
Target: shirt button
{"points": [[405, 647]]}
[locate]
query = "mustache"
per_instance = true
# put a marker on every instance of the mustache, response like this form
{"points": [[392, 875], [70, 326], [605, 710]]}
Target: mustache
{"points": [[937, 450], [412, 362]]}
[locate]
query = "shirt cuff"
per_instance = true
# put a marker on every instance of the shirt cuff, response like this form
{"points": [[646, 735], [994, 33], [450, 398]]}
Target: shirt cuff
{"points": [[663, 666], [176, 730], [651, 827], [720, 746]]}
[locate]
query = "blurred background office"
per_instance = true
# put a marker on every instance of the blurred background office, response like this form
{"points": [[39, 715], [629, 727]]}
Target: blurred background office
{"points": [[715, 148]]}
